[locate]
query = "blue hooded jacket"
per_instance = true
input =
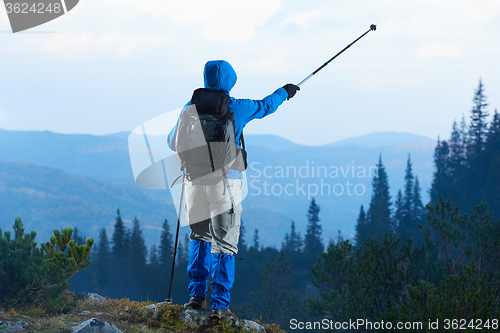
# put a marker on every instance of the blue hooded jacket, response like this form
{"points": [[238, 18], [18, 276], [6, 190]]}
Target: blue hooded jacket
{"points": [[220, 75]]}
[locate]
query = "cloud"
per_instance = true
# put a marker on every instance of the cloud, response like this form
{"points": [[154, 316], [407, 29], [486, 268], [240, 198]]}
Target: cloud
{"points": [[272, 64], [439, 50], [3, 16], [220, 20], [114, 43], [303, 18], [479, 10]]}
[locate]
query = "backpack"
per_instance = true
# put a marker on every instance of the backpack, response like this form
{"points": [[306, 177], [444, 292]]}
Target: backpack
{"points": [[205, 141]]}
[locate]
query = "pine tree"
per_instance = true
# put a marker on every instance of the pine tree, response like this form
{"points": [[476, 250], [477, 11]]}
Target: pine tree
{"points": [[408, 196], [37, 277], [79, 239], [478, 126], [155, 285], [165, 257], [119, 252], [466, 165], [119, 238], [478, 130], [418, 212], [408, 225], [340, 239], [457, 153], [379, 212], [242, 244], [166, 247], [441, 180], [312, 242], [493, 139], [137, 253], [126, 242], [464, 135], [457, 162], [101, 266], [81, 281], [180, 280], [276, 289], [468, 250], [127, 269], [285, 243], [361, 227], [187, 245], [398, 217], [183, 252], [256, 240], [293, 242], [491, 192], [153, 256]]}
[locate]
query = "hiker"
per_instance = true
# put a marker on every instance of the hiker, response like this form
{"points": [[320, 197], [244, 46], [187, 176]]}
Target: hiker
{"points": [[213, 211]]}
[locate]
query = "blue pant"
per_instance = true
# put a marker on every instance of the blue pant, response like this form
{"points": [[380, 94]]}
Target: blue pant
{"points": [[222, 273]]}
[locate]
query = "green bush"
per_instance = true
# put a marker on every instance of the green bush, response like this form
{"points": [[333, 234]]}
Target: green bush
{"points": [[38, 276], [453, 275]]}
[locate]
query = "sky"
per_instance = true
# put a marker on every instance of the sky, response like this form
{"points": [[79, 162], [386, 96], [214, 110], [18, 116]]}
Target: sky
{"points": [[109, 65]]}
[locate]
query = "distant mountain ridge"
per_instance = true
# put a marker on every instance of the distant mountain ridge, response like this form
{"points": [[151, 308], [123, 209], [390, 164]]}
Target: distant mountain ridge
{"points": [[277, 143], [103, 162], [381, 139]]}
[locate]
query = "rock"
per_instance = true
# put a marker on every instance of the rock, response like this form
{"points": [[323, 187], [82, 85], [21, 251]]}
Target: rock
{"points": [[10, 326], [84, 313], [249, 325], [94, 325], [198, 318], [4, 315], [194, 318], [153, 308], [89, 297]]}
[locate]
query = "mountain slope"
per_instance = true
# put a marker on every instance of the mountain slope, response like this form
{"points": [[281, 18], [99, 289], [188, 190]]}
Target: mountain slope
{"points": [[272, 142], [48, 196], [100, 157]]}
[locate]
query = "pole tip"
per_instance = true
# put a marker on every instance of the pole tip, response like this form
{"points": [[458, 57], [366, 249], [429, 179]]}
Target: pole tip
{"points": [[373, 27]]}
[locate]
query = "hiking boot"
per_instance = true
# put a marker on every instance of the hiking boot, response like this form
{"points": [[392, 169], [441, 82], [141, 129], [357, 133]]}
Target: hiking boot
{"points": [[197, 303], [220, 313]]}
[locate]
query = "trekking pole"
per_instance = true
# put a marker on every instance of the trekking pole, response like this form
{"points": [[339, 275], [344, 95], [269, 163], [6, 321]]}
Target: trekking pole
{"points": [[373, 27], [169, 299]]}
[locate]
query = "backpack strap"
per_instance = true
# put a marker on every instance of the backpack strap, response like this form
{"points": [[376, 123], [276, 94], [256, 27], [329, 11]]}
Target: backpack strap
{"points": [[241, 166], [225, 183], [242, 141]]}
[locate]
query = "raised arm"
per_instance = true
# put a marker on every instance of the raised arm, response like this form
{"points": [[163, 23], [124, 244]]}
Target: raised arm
{"points": [[249, 109]]}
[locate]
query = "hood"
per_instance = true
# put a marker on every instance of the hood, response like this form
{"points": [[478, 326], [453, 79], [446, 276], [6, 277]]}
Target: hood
{"points": [[219, 75]]}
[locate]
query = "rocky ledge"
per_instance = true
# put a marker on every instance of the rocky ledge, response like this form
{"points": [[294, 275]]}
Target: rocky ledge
{"points": [[103, 314]]}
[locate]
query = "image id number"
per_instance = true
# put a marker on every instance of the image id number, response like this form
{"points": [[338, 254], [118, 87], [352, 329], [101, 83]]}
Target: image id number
{"points": [[476, 324], [35, 8]]}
